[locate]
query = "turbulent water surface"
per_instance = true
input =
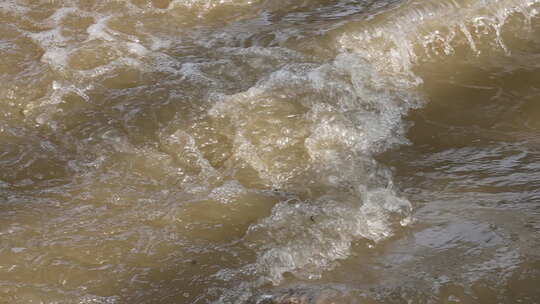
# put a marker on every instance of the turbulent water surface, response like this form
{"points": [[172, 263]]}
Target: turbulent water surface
{"points": [[259, 151]]}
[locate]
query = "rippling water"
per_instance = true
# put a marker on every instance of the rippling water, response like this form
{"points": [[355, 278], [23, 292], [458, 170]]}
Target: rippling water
{"points": [[233, 151]]}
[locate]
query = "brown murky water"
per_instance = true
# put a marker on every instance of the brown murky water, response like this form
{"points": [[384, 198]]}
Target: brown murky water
{"points": [[316, 151]]}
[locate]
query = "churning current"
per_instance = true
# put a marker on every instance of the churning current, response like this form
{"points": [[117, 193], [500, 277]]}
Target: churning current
{"points": [[269, 152]]}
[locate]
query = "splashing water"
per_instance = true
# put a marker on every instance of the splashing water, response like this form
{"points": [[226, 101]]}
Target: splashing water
{"points": [[261, 152]]}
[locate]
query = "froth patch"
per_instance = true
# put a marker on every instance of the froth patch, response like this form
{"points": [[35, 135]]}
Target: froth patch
{"points": [[308, 113], [305, 238], [415, 33], [311, 131]]}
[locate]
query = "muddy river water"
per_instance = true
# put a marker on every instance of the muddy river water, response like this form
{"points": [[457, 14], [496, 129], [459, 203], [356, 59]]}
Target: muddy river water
{"points": [[262, 151]]}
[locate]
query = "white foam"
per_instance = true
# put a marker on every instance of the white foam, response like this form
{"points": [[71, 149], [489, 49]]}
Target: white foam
{"points": [[99, 30], [227, 192], [347, 111], [307, 238], [437, 26]]}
